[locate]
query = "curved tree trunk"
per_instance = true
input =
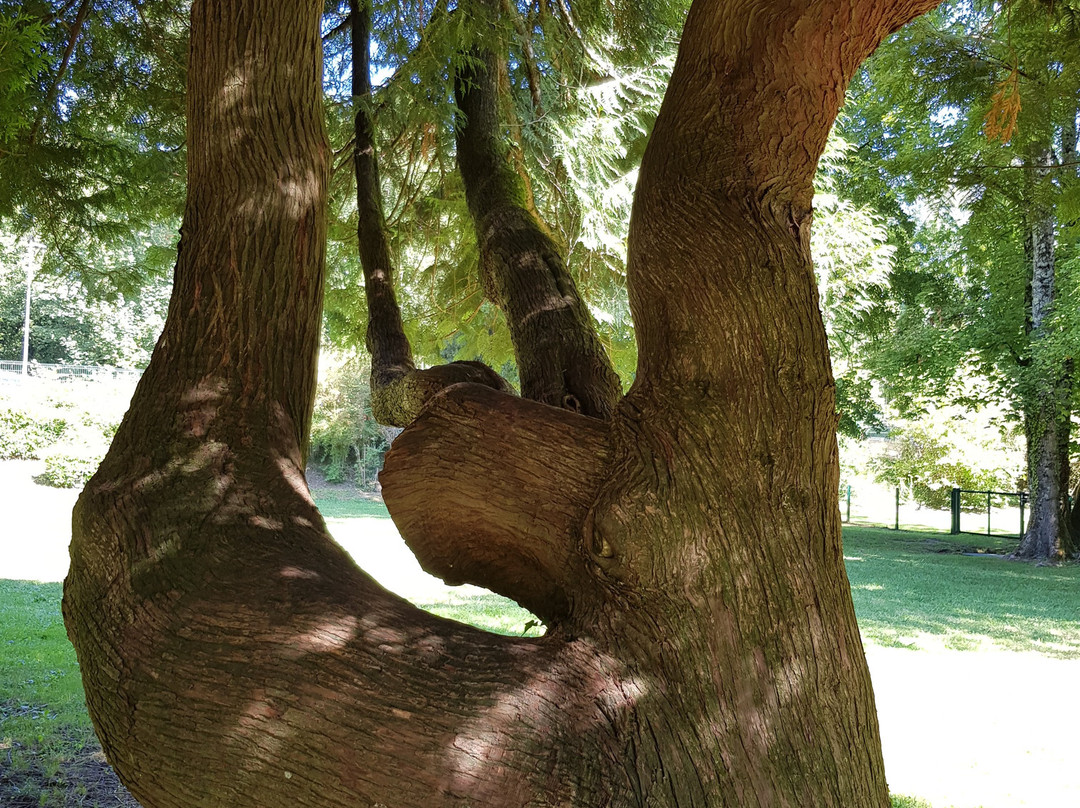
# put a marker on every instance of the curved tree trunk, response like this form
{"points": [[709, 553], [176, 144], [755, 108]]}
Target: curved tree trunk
{"points": [[703, 648]]}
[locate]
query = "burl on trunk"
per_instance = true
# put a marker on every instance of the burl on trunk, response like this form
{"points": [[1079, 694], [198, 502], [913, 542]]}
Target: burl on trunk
{"points": [[685, 551]]}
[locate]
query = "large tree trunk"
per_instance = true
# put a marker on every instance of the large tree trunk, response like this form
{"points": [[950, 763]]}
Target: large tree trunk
{"points": [[702, 648]]}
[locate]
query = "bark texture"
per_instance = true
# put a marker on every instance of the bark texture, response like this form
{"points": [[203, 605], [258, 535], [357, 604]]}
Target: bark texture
{"points": [[560, 358], [399, 390], [479, 500], [703, 648]]}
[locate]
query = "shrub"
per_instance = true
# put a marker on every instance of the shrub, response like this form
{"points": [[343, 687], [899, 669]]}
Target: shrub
{"points": [[68, 425], [346, 442], [899, 801], [71, 465], [25, 434]]}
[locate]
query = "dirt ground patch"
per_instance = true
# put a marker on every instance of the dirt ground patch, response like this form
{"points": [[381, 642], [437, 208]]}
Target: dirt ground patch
{"points": [[29, 778]]}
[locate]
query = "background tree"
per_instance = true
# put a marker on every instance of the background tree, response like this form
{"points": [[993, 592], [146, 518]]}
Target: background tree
{"points": [[854, 261], [980, 155], [93, 160]]}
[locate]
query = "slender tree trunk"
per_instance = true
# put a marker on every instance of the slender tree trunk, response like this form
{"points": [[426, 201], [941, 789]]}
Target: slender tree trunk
{"points": [[1048, 412], [398, 389], [1070, 505], [560, 358], [686, 553], [1074, 513]]}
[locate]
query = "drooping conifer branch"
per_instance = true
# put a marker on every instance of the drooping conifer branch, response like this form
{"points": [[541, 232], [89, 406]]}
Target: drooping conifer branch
{"points": [[532, 71]]}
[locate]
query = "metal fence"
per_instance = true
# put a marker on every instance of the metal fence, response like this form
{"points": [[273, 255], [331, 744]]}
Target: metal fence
{"points": [[987, 513], [94, 373]]}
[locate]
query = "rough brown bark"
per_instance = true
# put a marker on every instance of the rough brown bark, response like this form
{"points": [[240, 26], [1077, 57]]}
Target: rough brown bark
{"points": [[399, 390], [479, 500], [705, 651], [560, 358]]}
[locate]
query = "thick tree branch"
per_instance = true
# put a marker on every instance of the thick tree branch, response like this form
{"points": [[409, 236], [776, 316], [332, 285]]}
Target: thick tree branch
{"points": [[560, 358], [744, 122], [340, 28], [398, 389], [531, 70], [270, 672], [784, 67], [492, 490]]}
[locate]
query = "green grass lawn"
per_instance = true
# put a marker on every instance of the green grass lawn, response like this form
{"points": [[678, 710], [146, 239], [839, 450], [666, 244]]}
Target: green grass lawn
{"points": [[915, 589], [910, 589], [48, 753], [334, 504]]}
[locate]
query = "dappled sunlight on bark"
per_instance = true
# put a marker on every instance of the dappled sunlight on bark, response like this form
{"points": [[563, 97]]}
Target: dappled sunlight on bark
{"points": [[684, 546]]}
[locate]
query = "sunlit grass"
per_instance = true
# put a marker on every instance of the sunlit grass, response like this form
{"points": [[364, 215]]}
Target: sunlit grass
{"points": [[48, 753], [915, 590], [489, 612], [334, 505], [911, 590]]}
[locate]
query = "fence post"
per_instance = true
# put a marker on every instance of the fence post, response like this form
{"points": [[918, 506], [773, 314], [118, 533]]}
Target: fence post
{"points": [[849, 504], [1023, 502], [987, 513], [897, 507], [955, 529]]}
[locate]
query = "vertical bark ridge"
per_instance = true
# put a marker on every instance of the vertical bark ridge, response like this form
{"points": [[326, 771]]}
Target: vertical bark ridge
{"points": [[560, 358], [398, 389]]}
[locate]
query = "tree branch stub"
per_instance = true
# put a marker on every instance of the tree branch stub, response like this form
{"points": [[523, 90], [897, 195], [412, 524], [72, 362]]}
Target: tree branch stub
{"points": [[493, 490]]}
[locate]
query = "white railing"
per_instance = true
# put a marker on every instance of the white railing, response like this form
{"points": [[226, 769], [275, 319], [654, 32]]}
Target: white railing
{"points": [[92, 373]]}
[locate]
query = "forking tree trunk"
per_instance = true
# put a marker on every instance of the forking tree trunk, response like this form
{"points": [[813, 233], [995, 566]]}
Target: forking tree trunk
{"points": [[703, 648], [399, 390]]}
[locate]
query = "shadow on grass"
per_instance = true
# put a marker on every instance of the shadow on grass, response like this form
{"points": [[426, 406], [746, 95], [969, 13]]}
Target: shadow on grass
{"points": [[907, 586], [66, 769]]}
